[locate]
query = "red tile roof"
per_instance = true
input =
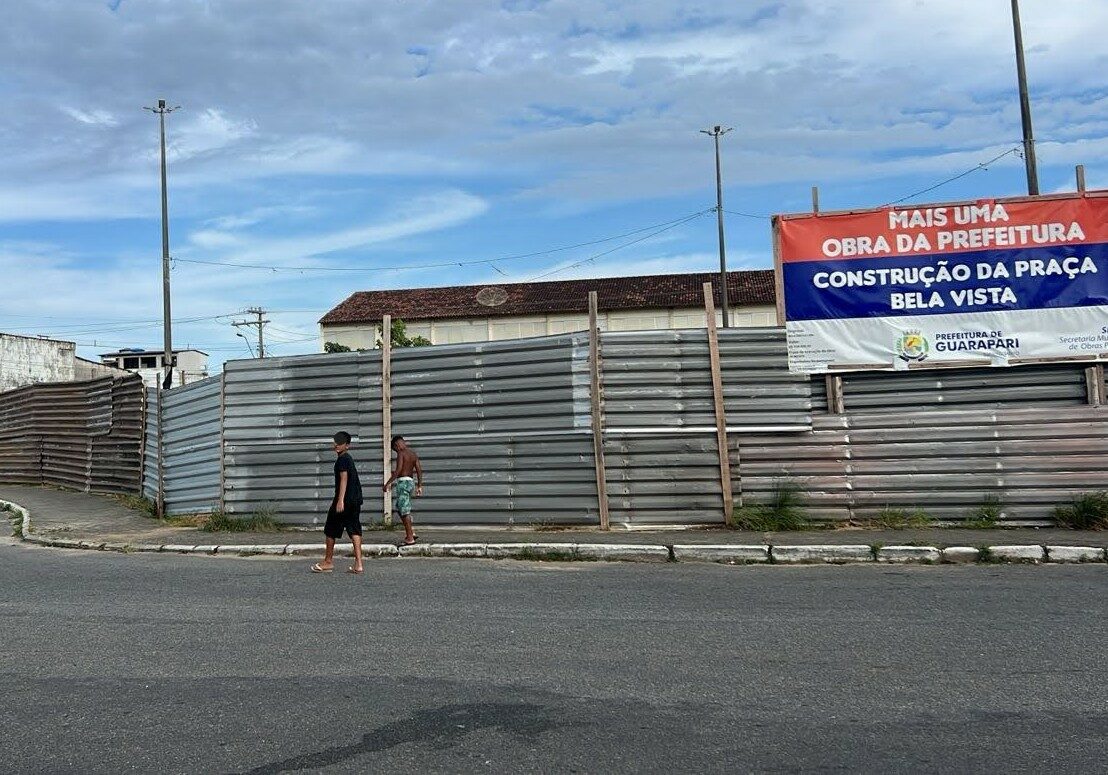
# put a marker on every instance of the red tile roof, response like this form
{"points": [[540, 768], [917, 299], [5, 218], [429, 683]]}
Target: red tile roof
{"points": [[613, 293]]}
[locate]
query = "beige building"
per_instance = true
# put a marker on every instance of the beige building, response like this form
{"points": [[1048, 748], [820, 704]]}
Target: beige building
{"points": [[475, 313]]}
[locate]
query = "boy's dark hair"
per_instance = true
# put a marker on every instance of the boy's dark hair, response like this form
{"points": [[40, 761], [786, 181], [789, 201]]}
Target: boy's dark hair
{"points": [[342, 437], [395, 439]]}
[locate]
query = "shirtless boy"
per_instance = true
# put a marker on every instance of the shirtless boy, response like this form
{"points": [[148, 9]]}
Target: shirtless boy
{"points": [[407, 476]]}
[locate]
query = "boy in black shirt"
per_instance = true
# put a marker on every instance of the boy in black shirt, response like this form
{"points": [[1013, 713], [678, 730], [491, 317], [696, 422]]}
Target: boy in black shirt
{"points": [[346, 507]]}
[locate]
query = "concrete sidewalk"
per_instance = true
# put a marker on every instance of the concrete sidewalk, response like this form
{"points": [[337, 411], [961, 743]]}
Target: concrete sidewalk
{"points": [[98, 519]]}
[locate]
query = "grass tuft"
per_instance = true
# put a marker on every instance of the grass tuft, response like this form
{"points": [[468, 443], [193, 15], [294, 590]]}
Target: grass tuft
{"points": [[1087, 511], [784, 511], [261, 521], [985, 516], [140, 504], [899, 519], [15, 518]]}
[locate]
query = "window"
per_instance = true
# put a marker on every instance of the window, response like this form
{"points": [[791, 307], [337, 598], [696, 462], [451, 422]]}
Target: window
{"points": [[568, 325], [460, 331], [130, 363], [517, 329], [150, 362], [689, 320], [638, 322]]}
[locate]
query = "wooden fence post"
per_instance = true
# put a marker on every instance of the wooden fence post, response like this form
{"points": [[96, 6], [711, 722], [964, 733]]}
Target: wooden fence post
{"points": [[386, 415], [720, 410], [833, 384], [597, 400], [1095, 389]]}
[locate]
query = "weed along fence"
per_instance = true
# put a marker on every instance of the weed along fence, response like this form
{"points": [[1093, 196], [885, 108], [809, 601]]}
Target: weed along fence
{"points": [[82, 435]]}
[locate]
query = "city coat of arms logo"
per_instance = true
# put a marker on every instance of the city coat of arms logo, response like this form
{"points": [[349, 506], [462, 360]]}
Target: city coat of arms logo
{"points": [[912, 346]]}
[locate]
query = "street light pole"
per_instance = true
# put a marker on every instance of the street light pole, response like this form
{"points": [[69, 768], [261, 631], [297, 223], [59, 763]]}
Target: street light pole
{"points": [[1025, 106], [161, 110], [716, 132]]}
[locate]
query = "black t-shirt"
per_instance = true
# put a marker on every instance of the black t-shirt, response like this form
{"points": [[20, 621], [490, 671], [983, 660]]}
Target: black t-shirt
{"points": [[353, 484]]}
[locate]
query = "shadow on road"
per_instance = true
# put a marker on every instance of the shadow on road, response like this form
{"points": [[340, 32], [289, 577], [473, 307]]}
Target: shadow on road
{"points": [[439, 728]]}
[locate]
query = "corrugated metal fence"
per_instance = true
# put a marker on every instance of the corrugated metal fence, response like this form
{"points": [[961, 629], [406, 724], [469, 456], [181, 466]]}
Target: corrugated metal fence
{"points": [[83, 435], [190, 418], [942, 442], [504, 428], [505, 433], [279, 416]]}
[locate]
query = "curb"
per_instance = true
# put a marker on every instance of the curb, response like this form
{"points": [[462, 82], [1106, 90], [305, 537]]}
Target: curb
{"points": [[821, 553], [726, 554], [729, 554]]}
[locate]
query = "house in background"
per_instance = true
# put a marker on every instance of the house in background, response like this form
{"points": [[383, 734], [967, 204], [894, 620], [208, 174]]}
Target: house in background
{"points": [[189, 365], [29, 360], [475, 313]]}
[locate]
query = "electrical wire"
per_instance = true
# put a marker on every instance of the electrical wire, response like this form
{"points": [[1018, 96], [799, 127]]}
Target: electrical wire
{"points": [[592, 258], [981, 166]]}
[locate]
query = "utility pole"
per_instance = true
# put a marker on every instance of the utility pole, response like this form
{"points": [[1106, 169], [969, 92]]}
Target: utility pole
{"points": [[167, 383], [259, 313], [1025, 106], [715, 133]]}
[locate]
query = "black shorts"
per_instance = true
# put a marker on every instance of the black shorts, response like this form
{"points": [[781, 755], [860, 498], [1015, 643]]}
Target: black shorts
{"points": [[349, 520]]}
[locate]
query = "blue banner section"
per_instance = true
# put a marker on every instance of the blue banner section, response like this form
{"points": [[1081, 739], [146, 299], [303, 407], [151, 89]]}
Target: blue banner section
{"points": [[936, 284]]}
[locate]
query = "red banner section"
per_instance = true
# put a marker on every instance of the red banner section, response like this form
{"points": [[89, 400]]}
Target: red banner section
{"points": [[945, 229]]}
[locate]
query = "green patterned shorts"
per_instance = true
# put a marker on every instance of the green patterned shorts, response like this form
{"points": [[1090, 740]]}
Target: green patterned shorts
{"points": [[404, 487]]}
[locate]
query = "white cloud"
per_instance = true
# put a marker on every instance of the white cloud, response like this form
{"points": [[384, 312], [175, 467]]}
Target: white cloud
{"points": [[426, 214], [92, 117]]}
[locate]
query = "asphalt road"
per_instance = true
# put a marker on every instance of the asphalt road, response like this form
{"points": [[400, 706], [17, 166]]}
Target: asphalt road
{"points": [[139, 663]]}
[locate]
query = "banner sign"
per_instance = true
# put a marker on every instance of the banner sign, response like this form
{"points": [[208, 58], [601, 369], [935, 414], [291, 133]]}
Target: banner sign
{"points": [[984, 282]]}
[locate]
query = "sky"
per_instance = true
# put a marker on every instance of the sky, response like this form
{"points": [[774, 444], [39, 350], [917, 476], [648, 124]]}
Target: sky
{"points": [[336, 146]]}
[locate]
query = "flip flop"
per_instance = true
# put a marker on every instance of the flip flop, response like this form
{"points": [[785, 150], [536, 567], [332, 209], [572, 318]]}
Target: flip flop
{"points": [[409, 543], [356, 571], [317, 568]]}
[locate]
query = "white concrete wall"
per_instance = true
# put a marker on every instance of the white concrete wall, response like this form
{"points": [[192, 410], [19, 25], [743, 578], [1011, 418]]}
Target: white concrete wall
{"points": [[84, 370], [28, 360], [450, 331]]}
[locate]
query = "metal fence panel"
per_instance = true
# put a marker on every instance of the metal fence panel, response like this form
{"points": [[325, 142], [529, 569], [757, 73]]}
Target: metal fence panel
{"points": [[945, 464], [190, 446], [83, 435], [279, 417], [662, 379], [150, 472], [1058, 384], [522, 386]]}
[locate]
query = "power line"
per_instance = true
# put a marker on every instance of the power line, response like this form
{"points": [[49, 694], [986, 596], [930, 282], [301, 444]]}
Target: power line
{"points": [[941, 183], [108, 327], [592, 258], [439, 265]]}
